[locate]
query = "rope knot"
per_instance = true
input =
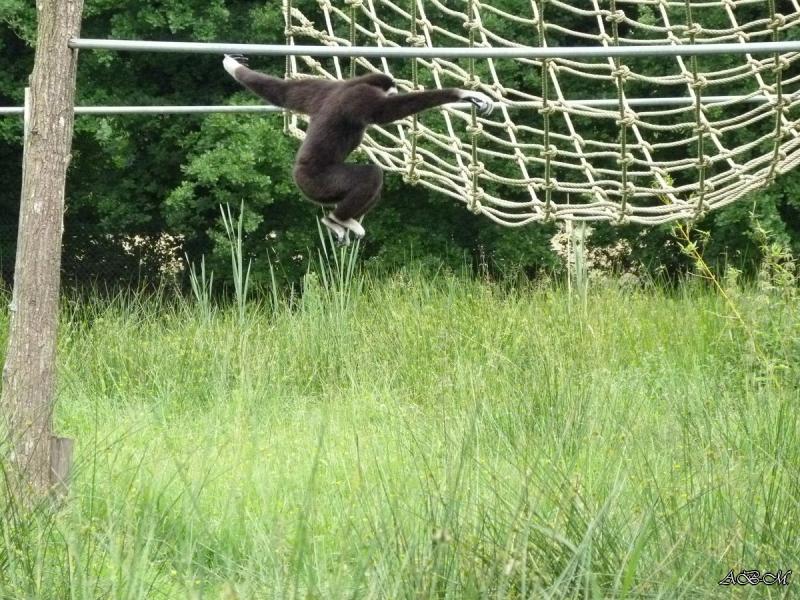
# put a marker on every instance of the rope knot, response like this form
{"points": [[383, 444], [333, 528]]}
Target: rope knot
{"points": [[471, 25], [415, 162], [417, 41], [618, 16], [550, 152], [425, 23], [703, 128], [548, 109], [620, 215], [753, 63], [630, 190], [411, 175], [626, 160], [626, 120], [694, 30], [703, 162], [474, 205], [622, 73], [476, 169], [498, 88], [354, 3], [701, 210], [781, 65], [473, 83], [475, 130], [778, 21], [698, 82]]}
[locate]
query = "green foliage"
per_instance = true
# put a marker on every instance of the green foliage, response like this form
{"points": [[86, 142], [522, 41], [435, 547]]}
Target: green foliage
{"points": [[138, 177]]}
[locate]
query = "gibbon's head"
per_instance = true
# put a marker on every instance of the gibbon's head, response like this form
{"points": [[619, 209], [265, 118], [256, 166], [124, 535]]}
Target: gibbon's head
{"points": [[381, 81]]}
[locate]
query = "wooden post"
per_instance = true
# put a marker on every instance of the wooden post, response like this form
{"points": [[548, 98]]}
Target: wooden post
{"points": [[29, 373], [60, 465]]}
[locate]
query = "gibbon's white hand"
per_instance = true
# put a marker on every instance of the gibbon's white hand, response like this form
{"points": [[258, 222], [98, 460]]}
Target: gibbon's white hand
{"points": [[483, 104]]}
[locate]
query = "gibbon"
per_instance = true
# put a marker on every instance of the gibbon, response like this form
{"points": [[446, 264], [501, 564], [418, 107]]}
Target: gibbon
{"points": [[340, 112]]}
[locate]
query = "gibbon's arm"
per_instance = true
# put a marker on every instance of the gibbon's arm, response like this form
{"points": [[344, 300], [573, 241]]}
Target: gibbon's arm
{"points": [[300, 96], [389, 108]]}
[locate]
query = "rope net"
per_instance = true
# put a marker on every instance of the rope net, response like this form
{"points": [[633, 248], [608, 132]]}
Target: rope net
{"points": [[546, 152]]}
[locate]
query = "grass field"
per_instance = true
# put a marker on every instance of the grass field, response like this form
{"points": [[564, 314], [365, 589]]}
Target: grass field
{"points": [[422, 437]]}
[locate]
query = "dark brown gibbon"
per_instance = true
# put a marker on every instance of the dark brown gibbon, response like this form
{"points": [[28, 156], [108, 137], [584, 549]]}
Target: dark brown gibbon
{"points": [[340, 112]]}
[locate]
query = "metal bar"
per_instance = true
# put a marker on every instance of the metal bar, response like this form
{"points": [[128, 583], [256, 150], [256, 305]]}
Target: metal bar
{"points": [[157, 109], [174, 110], [26, 118], [265, 108], [406, 52], [26, 127]]}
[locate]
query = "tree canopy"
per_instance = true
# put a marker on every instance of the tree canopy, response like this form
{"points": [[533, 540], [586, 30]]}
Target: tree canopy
{"points": [[141, 188]]}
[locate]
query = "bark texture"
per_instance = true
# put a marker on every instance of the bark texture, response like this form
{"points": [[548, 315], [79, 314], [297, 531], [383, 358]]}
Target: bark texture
{"points": [[29, 374]]}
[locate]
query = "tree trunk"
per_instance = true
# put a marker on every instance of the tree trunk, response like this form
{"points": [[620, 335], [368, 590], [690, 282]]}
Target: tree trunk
{"points": [[29, 374]]}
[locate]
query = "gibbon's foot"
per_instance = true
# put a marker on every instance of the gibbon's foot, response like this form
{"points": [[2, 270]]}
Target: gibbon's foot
{"points": [[349, 225], [483, 104], [240, 58], [233, 61], [339, 232]]}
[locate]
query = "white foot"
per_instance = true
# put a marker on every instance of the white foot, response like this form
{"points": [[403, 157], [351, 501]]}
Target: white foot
{"points": [[230, 64], [339, 232], [349, 224]]}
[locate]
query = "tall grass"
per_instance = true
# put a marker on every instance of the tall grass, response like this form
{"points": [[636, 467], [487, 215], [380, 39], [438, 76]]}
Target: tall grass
{"points": [[424, 438]]}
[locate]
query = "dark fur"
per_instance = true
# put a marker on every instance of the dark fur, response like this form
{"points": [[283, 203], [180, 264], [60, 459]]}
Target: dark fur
{"points": [[340, 112]]}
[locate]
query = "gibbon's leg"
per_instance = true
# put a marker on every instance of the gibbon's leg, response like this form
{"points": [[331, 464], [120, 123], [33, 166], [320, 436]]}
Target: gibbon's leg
{"points": [[364, 193], [354, 189], [271, 89], [301, 96]]}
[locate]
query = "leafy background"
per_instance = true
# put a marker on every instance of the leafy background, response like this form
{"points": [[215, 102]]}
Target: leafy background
{"points": [[139, 177]]}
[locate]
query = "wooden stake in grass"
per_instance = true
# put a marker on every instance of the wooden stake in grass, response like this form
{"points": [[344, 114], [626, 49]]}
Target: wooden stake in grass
{"points": [[29, 373]]}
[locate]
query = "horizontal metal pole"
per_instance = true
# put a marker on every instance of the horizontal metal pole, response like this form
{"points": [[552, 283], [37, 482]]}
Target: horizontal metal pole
{"points": [[175, 110], [265, 108], [159, 109], [408, 52]]}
